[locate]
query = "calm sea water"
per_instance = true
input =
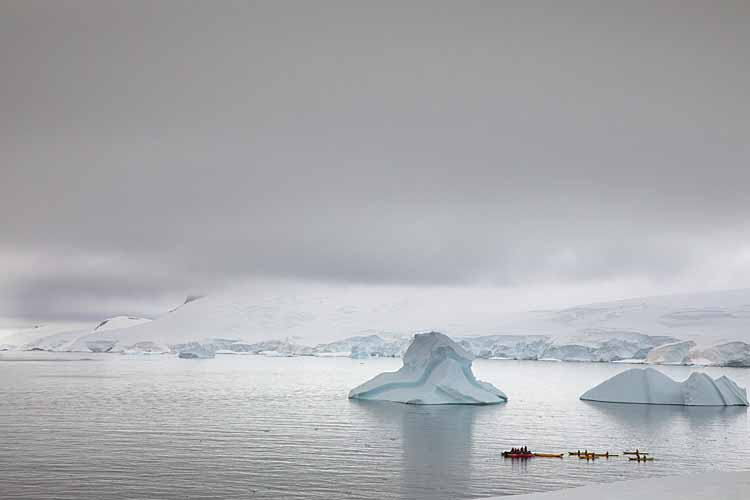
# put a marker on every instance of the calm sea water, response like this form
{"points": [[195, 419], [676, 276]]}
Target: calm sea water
{"points": [[120, 427]]}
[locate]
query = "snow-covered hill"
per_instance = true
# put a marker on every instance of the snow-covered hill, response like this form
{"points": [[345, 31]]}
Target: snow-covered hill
{"points": [[119, 322], [45, 336], [65, 336], [705, 328]]}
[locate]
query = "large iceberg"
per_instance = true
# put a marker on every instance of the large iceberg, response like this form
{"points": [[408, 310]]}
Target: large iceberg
{"points": [[649, 386], [436, 371]]}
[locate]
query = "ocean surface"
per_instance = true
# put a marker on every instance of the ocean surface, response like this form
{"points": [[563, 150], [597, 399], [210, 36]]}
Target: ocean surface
{"points": [[108, 426]]}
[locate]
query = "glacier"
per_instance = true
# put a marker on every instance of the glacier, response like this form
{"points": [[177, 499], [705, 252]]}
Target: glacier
{"points": [[436, 370], [196, 351], [707, 328], [364, 346], [650, 386]]}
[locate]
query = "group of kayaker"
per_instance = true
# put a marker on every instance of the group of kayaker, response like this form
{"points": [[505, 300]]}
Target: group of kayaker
{"points": [[519, 451], [524, 452]]}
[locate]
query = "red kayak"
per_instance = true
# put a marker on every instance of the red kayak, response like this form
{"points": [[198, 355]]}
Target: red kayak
{"points": [[517, 455]]}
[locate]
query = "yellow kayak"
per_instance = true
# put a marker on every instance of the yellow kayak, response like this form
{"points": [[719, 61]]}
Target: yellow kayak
{"points": [[592, 454], [549, 455]]}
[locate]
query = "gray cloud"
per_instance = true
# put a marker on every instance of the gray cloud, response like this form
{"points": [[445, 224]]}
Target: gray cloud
{"points": [[428, 143]]}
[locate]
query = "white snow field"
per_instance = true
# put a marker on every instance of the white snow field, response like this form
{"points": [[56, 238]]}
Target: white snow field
{"points": [[650, 386], [119, 322], [53, 335], [711, 328], [436, 371], [701, 486], [62, 336]]}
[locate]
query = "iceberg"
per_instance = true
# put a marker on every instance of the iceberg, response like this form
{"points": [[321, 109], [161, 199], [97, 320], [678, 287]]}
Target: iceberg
{"points": [[436, 371], [649, 386]]}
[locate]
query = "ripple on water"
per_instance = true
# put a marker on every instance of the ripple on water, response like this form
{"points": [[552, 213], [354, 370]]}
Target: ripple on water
{"points": [[254, 427]]}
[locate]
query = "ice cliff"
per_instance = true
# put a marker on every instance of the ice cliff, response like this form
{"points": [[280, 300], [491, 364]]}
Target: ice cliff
{"points": [[436, 371], [196, 351], [649, 386]]}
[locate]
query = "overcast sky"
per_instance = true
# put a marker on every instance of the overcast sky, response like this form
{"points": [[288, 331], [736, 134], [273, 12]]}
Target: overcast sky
{"points": [[154, 149]]}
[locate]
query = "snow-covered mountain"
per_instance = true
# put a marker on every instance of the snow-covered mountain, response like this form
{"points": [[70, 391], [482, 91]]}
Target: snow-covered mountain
{"points": [[66, 336], [119, 322], [704, 328]]}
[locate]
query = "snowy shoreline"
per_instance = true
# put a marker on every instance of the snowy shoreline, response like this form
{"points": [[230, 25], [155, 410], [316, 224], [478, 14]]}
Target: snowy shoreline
{"points": [[713, 485]]}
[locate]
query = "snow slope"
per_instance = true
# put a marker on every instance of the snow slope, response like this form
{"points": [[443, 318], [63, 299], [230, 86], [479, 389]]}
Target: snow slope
{"points": [[705, 318], [701, 486], [63, 336], [711, 328], [436, 371], [309, 315], [707, 328], [118, 322], [45, 336], [649, 386]]}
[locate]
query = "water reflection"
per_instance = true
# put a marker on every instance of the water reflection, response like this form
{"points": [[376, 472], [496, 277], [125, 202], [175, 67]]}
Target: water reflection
{"points": [[436, 445], [657, 416], [670, 428], [269, 428]]}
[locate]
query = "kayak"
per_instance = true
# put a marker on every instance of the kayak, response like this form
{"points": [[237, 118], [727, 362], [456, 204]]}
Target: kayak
{"points": [[634, 453], [592, 454], [517, 455], [640, 459], [549, 455]]}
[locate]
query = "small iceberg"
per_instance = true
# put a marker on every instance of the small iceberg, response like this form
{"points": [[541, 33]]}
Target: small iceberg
{"points": [[436, 371], [649, 386]]}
